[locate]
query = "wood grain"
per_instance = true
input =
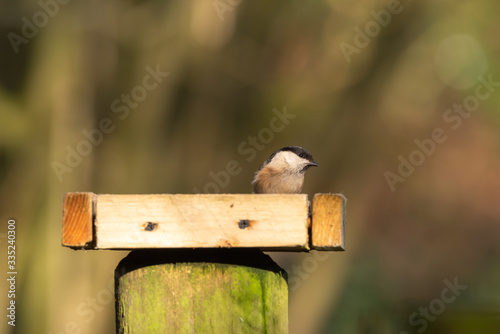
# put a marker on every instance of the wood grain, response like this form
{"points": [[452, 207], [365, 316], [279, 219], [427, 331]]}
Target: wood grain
{"points": [[201, 221], [266, 221], [77, 227], [328, 222]]}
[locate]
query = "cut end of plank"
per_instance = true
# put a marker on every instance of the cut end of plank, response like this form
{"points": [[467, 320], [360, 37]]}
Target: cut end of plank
{"points": [[328, 222], [77, 228]]}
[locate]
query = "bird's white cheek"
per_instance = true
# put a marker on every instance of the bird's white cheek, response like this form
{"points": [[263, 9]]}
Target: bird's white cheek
{"points": [[291, 158]]}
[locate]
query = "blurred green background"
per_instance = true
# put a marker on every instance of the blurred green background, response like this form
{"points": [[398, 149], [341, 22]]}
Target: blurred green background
{"points": [[397, 101]]}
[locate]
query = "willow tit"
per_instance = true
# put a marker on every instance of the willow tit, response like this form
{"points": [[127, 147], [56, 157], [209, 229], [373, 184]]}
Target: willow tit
{"points": [[283, 172]]}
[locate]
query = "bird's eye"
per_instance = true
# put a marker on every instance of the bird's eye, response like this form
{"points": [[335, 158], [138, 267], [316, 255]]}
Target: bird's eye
{"points": [[301, 155]]}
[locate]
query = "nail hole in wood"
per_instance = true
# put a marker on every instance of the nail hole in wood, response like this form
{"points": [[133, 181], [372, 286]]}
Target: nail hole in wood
{"points": [[150, 226], [244, 223]]}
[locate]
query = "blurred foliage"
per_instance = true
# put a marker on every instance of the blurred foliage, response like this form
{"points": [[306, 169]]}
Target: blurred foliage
{"points": [[231, 65]]}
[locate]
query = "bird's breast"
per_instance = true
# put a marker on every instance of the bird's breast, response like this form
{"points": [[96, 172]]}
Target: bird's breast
{"points": [[269, 181]]}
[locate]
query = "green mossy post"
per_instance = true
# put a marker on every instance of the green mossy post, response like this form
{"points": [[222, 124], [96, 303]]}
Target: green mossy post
{"points": [[200, 291]]}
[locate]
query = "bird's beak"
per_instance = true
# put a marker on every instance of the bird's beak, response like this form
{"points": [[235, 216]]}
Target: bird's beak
{"points": [[313, 163]]}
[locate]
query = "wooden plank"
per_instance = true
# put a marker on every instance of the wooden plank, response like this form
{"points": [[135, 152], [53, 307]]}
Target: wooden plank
{"points": [[328, 222], [77, 227], [201, 220], [273, 222]]}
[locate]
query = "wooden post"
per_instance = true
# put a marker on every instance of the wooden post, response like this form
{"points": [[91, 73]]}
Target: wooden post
{"points": [[196, 264], [200, 291]]}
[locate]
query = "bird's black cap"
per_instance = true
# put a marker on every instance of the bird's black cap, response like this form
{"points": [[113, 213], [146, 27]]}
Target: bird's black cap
{"points": [[300, 151]]}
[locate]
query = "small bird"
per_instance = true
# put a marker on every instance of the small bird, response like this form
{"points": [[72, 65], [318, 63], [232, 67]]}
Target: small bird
{"points": [[283, 172]]}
